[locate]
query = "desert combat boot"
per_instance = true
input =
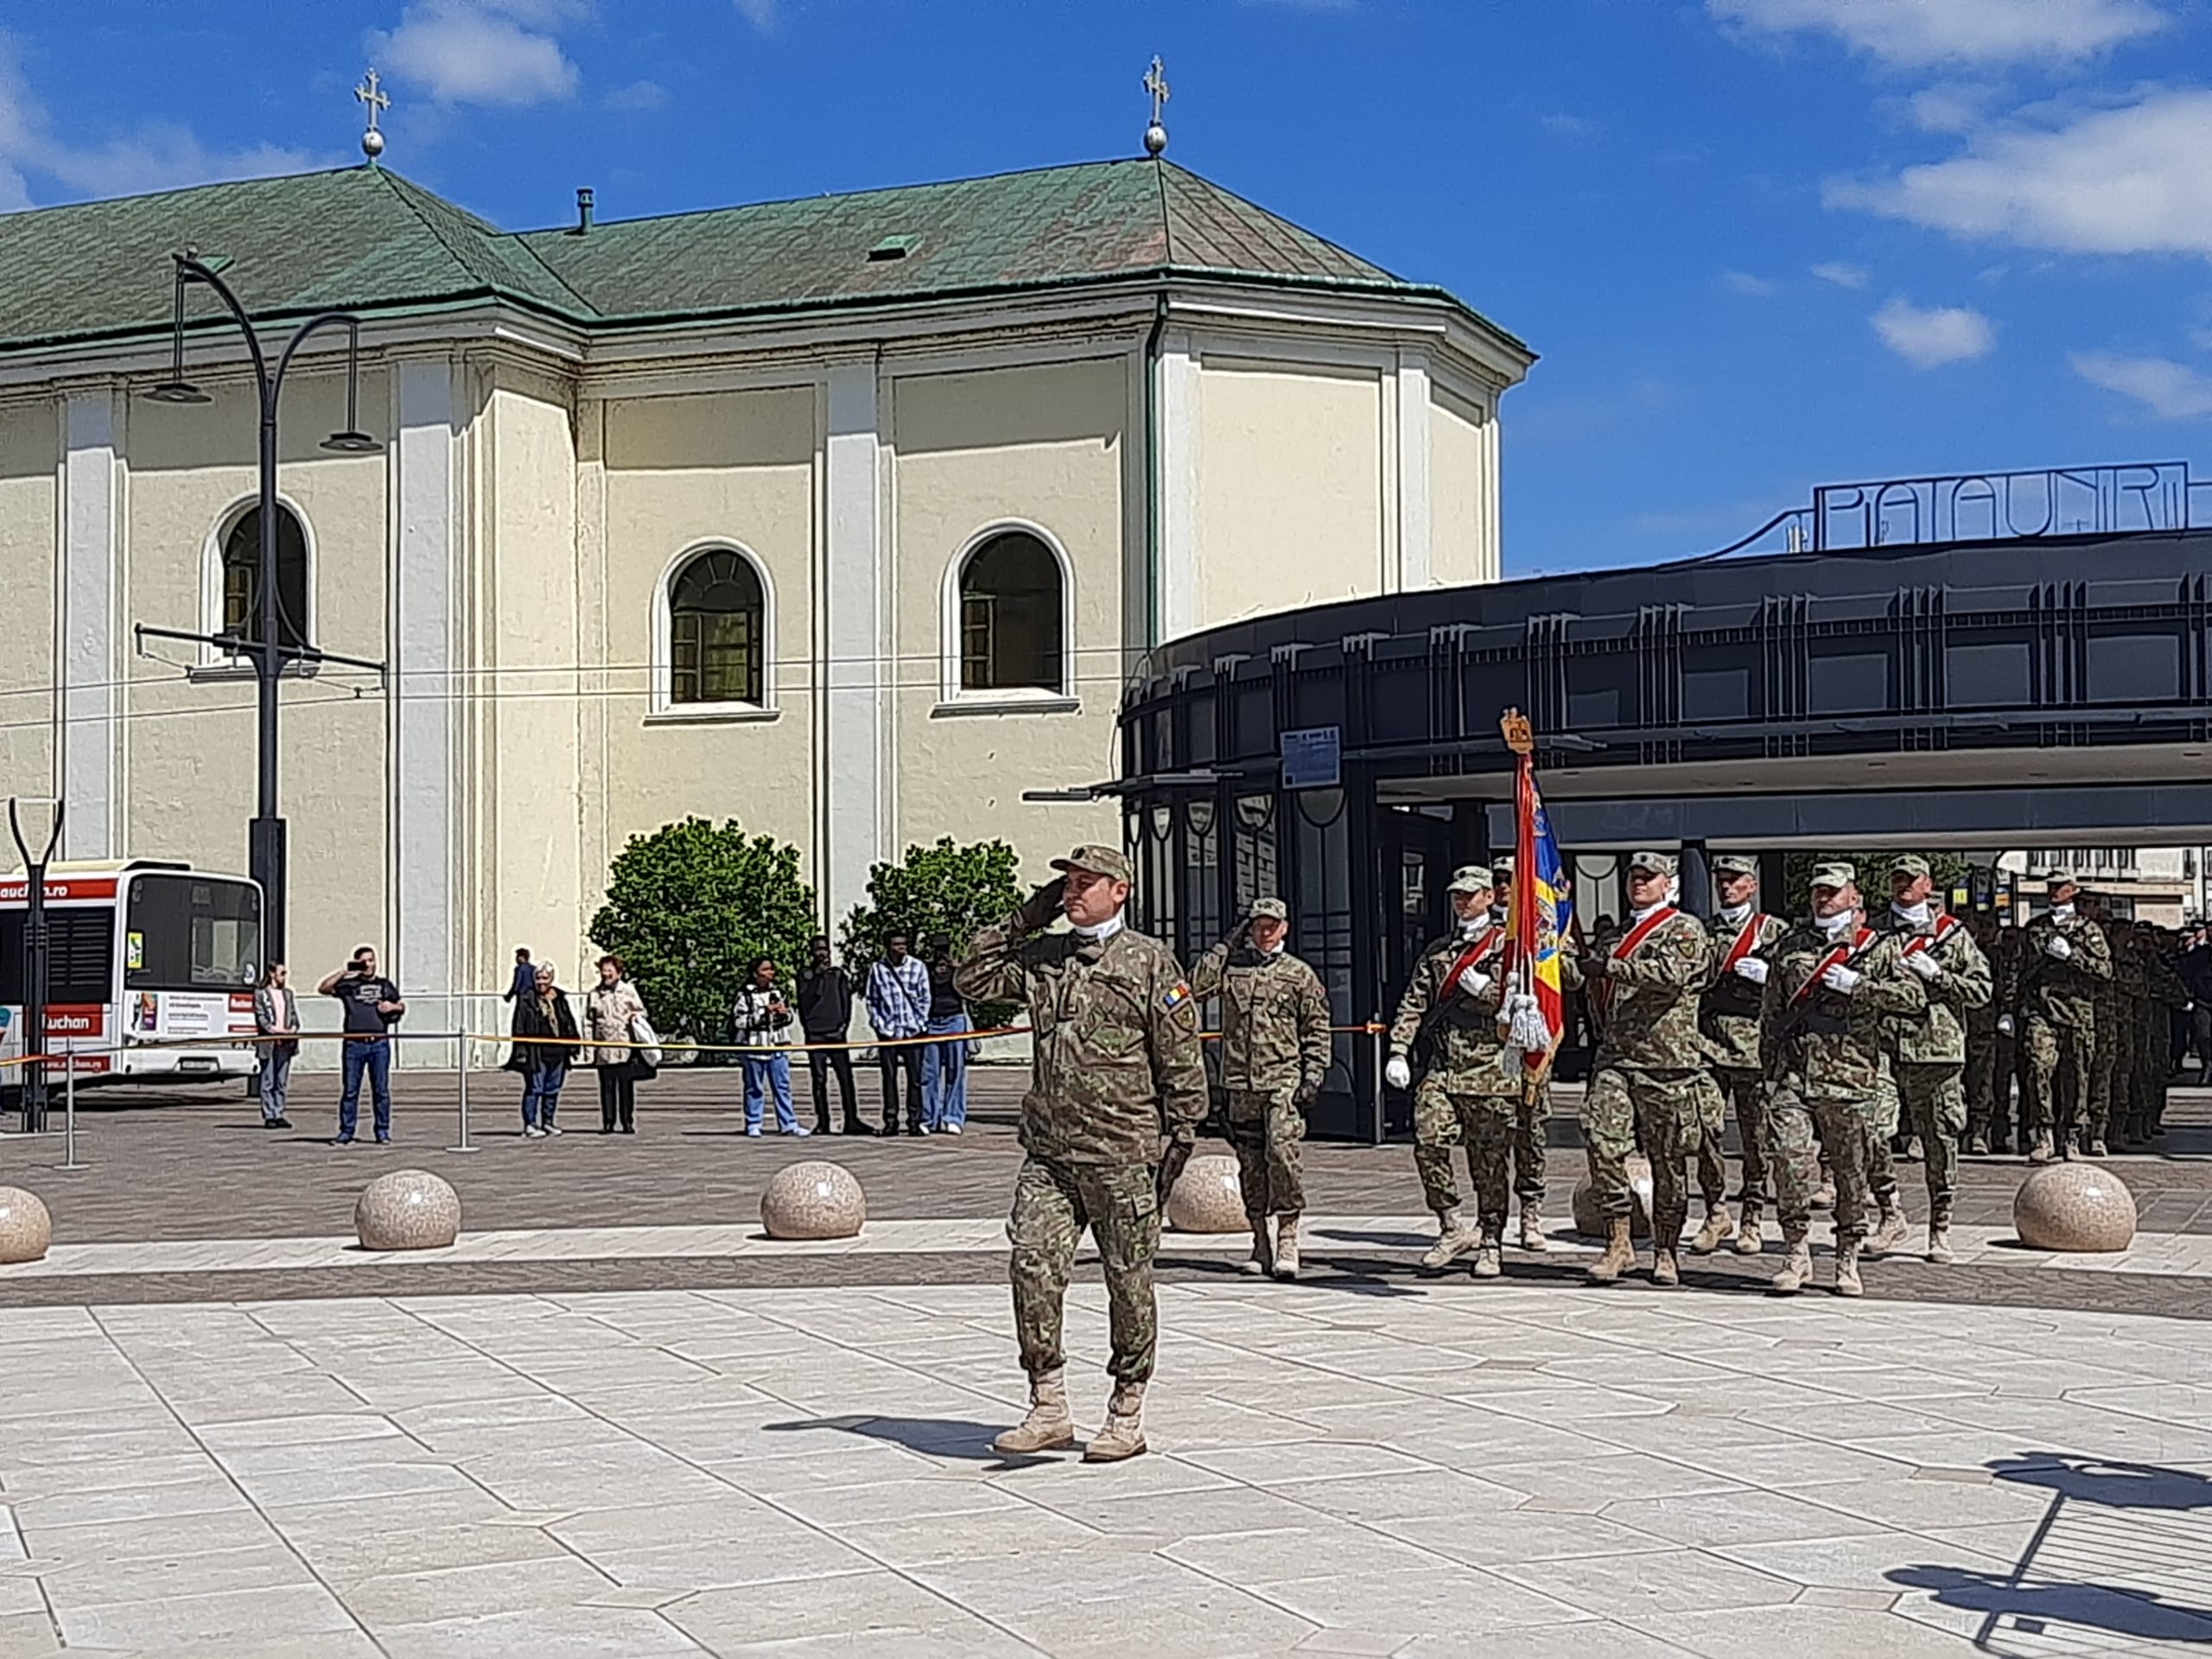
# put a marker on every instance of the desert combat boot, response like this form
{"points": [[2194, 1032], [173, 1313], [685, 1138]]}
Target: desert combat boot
{"points": [[1532, 1229], [1261, 1262], [1798, 1271], [1719, 1227], [1123, 1435], [1047, 1428], [1620, 1253], [1286, 1246], [1453, 1240]]}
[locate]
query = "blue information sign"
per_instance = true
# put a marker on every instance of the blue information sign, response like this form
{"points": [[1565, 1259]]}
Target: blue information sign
{"points": [[1311, 759]]}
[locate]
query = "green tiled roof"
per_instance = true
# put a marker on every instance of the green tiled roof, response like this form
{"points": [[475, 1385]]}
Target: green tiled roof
{"points": [[365, 239]]}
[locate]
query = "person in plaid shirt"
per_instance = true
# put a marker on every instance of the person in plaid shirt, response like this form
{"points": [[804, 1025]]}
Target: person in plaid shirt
{"points": [[899, 1006]]}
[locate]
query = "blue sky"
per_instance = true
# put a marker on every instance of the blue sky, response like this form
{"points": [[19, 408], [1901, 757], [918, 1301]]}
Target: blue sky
{"points": [[1760, 244]]}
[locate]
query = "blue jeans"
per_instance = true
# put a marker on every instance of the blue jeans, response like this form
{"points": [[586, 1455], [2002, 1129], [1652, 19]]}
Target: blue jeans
{"points": [[373, 1056], [276, 1081], [540, 1091], [764, 1072], [944, 1075]]}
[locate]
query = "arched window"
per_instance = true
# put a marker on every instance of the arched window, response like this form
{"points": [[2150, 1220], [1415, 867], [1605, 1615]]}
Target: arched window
{"points": [[717, 629], [241, 576], [1012, 615]]}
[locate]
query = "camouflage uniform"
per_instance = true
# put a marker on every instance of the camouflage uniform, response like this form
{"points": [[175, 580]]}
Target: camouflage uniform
{"points": [[2058, 1016], [2113, 1066], [1275, 1039], [1116, 1073], [1532, 1111], [1465, 1095], [1927, 1055], [1651, 1083], [1988, 1076], [2163, 993], [1730, 1018]]}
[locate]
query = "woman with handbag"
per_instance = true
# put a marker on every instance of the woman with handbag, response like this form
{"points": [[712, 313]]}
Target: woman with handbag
{"points": [[615, 1024], [544, 1033]]}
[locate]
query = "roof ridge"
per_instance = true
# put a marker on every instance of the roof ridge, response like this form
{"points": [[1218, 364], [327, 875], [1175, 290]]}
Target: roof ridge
{"points": [[1159, 165], [413, 197], [1202, 181], [183, 190]]}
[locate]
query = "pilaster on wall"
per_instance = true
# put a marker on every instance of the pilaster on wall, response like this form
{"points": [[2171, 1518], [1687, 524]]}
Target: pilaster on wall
{"points": [[1414, 514], [858, 678], [90, 769], [1176, 418], [425, 682]]}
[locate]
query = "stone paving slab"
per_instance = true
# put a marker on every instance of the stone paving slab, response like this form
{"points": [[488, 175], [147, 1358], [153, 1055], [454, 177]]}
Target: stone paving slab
{"points": [[807, 1471]]}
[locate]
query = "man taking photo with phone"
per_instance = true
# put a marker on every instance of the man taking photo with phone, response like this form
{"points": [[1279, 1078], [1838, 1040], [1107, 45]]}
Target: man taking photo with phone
{"points": [[373, 1007]]}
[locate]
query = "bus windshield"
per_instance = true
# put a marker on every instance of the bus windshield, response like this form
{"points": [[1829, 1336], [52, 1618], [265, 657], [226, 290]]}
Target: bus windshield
{"points": [[184, 932]]}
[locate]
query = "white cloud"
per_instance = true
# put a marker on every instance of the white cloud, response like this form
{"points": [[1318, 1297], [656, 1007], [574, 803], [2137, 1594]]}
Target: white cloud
{"points": [[493, 52], [1742, 282], [1931, 337], [2172, 391], [1842, 274], [1950, 108], [1561, 124], [639, 98], [2134, 180], [158, 155], [1916, 33], [761, 14]]}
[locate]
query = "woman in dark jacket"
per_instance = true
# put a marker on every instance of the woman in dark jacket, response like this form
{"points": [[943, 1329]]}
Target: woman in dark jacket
{"points": [[544, 1064]]}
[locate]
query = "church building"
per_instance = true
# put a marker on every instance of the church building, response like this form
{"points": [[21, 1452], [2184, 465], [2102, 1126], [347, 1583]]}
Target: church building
{"points": [[847, 517]]}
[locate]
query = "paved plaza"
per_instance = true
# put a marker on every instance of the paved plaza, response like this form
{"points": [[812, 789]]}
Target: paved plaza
{"points": [[616, 1420]]}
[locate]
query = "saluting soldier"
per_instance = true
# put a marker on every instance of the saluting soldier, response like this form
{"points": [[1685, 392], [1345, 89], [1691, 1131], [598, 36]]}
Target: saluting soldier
{"points": [[1742, 932], [1275, 1049], [1650, 1084], [1116, 1093], [1930, 1052], [2064, 959], [1465, 1096], [1834, 983]]}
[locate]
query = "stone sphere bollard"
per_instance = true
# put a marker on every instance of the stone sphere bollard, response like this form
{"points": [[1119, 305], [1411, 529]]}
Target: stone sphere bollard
{"points": [[25, 1228], [2074, 1207], [1208, 1197], [407, 1210], [813, 1200], [1591, 1223]]}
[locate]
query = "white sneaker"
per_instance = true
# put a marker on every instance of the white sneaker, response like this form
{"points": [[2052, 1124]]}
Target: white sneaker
{"points": [[531, 1132], [949, 1128], [798, 1129], [925, 1129], [554, 1128], [753, 1129]]}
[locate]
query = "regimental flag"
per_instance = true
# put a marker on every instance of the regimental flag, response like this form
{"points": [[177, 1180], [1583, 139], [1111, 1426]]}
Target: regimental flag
{"points": [[1540, 912]]}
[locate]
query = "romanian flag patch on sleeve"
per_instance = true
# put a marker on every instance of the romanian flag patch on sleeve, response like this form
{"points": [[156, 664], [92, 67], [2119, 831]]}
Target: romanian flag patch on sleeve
{"points": [[1175, 996]]}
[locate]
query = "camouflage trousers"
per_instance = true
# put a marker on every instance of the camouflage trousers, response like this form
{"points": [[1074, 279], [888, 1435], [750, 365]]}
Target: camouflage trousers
{"points": [[1666, 1113], [1053, 1202], [1933, 1103], [2146, 1097], [1531, 1135], [1482, 1124], [2055, 1068], [1804, 1132], [1991, 1059], [1265, 1130], [1744, 1090], [2109, 1069]]}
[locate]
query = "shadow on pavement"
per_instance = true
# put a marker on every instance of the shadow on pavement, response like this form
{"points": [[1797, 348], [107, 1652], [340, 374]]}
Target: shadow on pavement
{"points": [[938, 1437], [2116, 1485]]}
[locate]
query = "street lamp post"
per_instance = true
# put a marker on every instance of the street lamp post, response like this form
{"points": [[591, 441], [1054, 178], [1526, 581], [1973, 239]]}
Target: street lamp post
{"points": [[36, 960], [265, 839]]}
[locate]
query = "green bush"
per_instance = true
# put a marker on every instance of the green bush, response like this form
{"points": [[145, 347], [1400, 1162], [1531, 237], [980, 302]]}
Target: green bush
{"points": [[944, 888], [687, 909]]}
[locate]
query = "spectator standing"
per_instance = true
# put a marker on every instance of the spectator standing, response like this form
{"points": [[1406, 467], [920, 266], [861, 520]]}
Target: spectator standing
{"points": [[373, 1007], [825, 1016], [544, 1033], [944, 1066], [899, 1006], [762, 1023], [524, 986], [611, 1011], [277, 1017]]}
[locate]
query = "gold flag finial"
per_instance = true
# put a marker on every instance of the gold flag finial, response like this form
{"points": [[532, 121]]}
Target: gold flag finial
{"points": [[1520, 736]]}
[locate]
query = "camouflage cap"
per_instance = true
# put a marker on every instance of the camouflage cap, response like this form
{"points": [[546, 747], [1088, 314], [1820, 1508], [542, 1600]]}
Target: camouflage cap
{"points": [[1735, 864], [1837, 874], [2058, 879], [1658, 863], [1098, 860], [1270, 907], [1471, 878], [1909, 864]]}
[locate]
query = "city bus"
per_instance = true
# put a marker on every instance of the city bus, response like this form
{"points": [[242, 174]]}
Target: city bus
{"points": [[140, 952]]}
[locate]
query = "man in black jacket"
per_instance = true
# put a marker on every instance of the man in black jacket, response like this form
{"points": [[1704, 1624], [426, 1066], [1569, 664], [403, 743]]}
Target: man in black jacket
{"points": [[825, 1014]]}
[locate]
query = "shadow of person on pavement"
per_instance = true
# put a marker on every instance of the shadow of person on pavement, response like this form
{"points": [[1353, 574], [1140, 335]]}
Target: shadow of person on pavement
{"points": [[2035, 1608], [2114, 1485], [936, 1437]]}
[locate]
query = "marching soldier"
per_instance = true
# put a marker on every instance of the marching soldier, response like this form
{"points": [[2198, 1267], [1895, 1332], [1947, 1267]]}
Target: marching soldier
{"points": [[1651, 1083], [1834, 984], [2114, 1061], [1982, 1081], [1465, 1095], [2064, 958], [1928, 1053], [1116, 1093], [2163, 994], [1729, 1018], [1276, 1050]]}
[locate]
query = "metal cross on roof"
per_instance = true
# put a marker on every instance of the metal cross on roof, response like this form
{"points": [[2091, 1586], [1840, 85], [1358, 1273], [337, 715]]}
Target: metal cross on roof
{"points": [[1155, 82], [378, 101]]}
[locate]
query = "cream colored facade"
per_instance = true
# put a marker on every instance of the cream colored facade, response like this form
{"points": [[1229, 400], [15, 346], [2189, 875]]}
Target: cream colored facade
{"points": [[1191, 458]]}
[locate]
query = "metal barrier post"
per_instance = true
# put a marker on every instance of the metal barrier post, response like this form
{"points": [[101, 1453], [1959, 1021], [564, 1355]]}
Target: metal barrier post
{"points": [[461, 1046], [69, 1120], [1375, 1105]]}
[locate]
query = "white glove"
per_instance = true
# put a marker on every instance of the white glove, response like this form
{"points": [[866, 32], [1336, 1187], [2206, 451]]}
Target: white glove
{"points": [[1397, 1073], [1520, 1000], [2004, 1024], [1923, 964], [2058, 946], [1750, 968], [1473, 981], [1841, 980]]}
